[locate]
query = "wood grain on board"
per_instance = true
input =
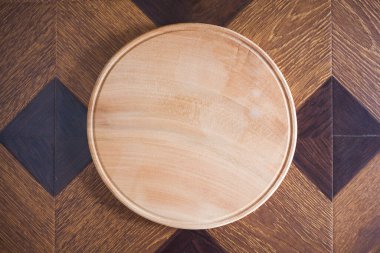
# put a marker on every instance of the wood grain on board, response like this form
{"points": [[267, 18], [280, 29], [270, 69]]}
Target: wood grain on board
{"points": [[27, 50], [48, 137], [296, 35], [30, 137], [297, 218], [356, 211], [356, 49], [90, 219], [217, 12], [26, 209], [190, 241], [350, 116], [71, 152], [314, 145], [185, 148], [351, 154], [88, 34]]}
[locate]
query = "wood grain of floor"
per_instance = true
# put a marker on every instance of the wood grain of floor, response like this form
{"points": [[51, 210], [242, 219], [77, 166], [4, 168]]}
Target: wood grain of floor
{"points": [[52, 199]]}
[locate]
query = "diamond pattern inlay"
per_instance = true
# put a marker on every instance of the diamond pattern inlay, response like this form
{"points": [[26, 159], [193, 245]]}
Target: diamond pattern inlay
{"points": [[218, 12], [350, 117], [356, 136], [314, 153], [49, 137], [351, 154], [191, 241]]}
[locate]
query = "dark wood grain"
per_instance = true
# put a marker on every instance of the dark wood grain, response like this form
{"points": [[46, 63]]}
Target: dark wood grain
{"points": [[90, 219], [356, 212], [26, 210], [314, 146], [27, 50], [350, 117], [71, 153], [350, 155], [297, 218], [356, 49], [315, 116], [30, 137], [297, 35], [217, 12], [49, 137], [89, 33], [190, 241], [314, 158]]}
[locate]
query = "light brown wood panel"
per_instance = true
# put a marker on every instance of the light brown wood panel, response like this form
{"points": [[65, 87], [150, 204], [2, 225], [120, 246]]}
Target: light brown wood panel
{"points": [[356, 49], [192, 126], [26, 210], [297, 218], [297, 35], [90, 219], [89, 33], [356, 211], [27, 50]]}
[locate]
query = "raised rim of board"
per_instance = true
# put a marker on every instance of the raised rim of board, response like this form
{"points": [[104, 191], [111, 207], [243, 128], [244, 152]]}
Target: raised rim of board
{"points": [[178, 223]]}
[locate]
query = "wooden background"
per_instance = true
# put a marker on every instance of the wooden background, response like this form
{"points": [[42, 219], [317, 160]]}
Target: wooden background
{"points": [[51, 196]]}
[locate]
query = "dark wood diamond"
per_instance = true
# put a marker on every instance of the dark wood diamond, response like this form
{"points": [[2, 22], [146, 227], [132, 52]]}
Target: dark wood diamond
{"points": [[314, 152], [71, 147], [350, 155], [30, 137], [218, 12], [350, 117], [190, 241], [49, 137]]}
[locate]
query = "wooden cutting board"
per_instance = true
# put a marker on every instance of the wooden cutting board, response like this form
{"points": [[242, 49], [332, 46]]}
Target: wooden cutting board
{"points": [[192, 126]]}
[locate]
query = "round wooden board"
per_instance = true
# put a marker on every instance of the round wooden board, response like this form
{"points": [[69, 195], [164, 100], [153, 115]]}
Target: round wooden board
{"points": [[192, 126]]}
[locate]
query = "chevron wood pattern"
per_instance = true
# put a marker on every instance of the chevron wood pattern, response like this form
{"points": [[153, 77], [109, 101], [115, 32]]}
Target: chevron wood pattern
{"points": [[298, 209], [329, 52], [27, 49], [89, 33], [356, 52], [89, 219], [26, 210], [297, 35], [356, 211]]}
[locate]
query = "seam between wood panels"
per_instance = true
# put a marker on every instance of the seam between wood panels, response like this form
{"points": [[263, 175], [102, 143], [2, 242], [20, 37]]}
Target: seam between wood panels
{"points": [[331, 37], [359, 101], [332, 121], [55, 110], [304, 101], [54, 155], [332, 164]]}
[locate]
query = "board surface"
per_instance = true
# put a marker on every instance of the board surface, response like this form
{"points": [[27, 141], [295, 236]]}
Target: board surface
{"points": [[192, 126]]}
